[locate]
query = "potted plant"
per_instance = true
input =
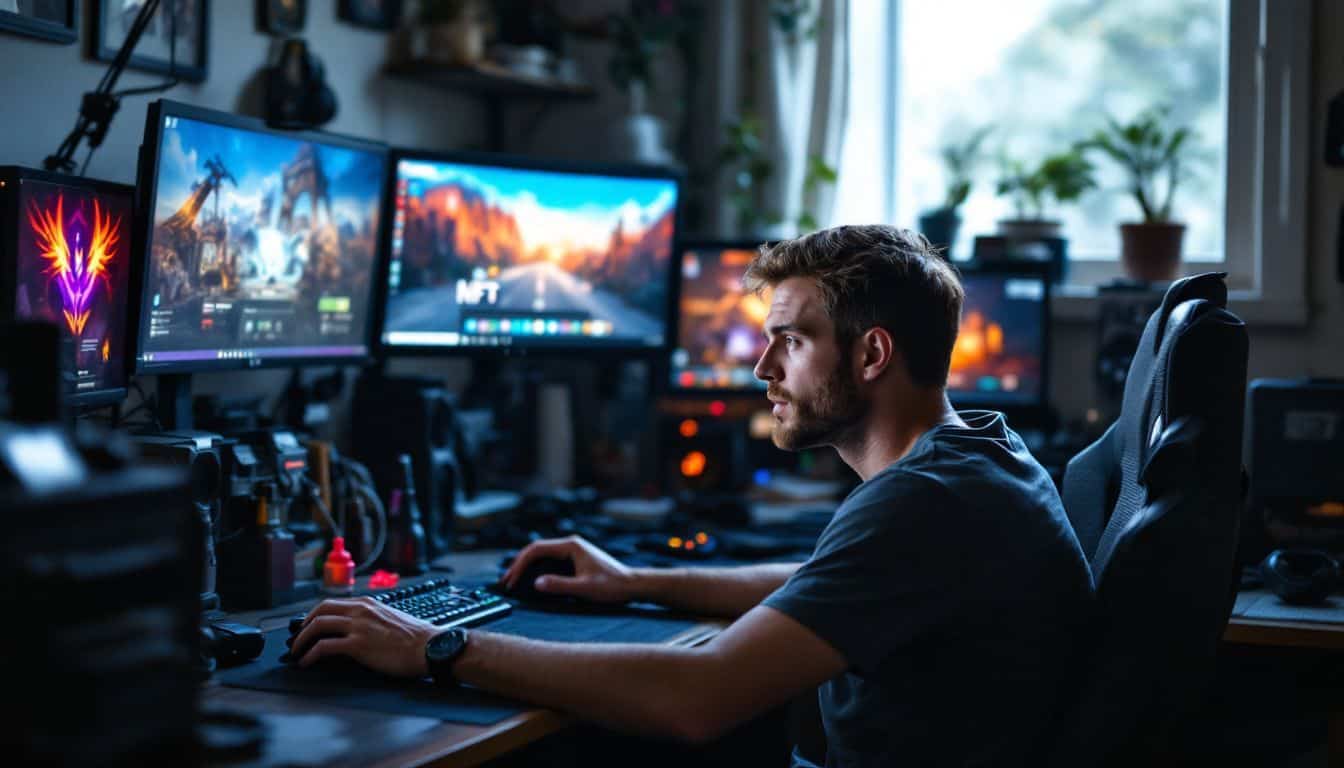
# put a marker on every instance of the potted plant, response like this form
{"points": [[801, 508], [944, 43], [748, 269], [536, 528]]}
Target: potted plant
{"points": [[1063, 177], [451, 31], [1150, 152], [940, 225]]}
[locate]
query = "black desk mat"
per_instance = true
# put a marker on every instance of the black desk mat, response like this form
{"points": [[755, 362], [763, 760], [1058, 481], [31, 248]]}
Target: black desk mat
{"points": [[371, 691]]}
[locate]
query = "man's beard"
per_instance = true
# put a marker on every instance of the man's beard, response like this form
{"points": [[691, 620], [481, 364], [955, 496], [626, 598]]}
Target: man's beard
{"points": [[823, 418]]}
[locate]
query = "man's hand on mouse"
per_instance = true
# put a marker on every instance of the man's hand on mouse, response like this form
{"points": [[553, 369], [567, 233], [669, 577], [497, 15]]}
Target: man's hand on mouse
{"points": [[375, 635], [598, 577]]}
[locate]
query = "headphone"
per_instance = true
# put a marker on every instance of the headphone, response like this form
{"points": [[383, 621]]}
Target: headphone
{"points": [[297, 94], [1300, 576]]}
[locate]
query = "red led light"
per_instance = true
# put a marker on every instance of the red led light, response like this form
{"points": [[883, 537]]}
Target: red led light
{"points": [[718, 408]]}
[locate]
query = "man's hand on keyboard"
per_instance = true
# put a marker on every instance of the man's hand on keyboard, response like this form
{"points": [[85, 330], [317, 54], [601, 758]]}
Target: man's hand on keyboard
{"points": [[375, 635], [598, 576]]}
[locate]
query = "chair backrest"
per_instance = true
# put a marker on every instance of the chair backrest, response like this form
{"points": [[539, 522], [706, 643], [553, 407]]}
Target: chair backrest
{"points": [[1155, 503]]}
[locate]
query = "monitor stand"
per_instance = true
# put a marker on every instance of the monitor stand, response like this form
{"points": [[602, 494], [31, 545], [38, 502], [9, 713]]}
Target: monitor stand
{"points": [[174, 401]]}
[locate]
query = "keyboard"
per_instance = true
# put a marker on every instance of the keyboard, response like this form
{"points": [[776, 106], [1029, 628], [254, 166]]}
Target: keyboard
{"points": [[439, 602]]}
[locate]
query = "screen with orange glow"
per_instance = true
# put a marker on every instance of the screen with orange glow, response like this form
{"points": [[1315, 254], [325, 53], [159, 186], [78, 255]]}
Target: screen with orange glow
{"points": [[719, 331], [73, 271], [1000, 347]]}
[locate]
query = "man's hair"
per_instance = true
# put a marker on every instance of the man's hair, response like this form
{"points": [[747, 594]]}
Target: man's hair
{"points": [[875, 276]]}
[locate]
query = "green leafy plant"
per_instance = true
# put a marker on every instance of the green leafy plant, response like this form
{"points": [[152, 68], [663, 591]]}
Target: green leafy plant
{"points": [[743, 152], [1150, 151], [959, 161], [1063, 177]]}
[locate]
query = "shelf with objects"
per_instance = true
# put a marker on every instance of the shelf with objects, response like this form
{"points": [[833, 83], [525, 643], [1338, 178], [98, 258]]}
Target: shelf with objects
{"points": [[493, 83]]}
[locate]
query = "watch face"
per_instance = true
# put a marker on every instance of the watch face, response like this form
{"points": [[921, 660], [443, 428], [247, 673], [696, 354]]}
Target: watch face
{"points": [[445, 646]]}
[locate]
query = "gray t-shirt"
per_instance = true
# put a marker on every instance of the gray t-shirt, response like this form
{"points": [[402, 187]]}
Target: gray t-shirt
{"points": [[954, 586]]}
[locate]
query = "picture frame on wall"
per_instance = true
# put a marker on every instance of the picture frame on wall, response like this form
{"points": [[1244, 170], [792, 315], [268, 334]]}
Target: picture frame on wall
{"points": [[283, 18], [370, 14], [114, 19], [53, 20]]}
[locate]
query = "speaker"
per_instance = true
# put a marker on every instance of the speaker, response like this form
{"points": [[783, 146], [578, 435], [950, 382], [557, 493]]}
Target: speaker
{"points": [[1124, 308], [704, 453], [393, 415], [199, 453], [297, 94]]}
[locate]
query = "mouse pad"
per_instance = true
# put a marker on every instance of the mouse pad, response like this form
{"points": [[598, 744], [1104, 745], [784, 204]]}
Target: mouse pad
{"points": [[421, 698]]}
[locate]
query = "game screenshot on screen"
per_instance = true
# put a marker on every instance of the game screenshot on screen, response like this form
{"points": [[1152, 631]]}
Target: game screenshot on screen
{"points": [[719, 330], [262, 246], [496, 256], [72, 270], [998, 353]]}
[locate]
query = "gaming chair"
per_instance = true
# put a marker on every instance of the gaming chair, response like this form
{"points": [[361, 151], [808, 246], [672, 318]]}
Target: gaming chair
{"points": [[1155, 503]]}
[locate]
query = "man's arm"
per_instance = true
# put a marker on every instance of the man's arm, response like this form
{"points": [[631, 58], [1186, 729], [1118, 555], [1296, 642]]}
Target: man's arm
{"points": [[694, 694], [721, 592]]}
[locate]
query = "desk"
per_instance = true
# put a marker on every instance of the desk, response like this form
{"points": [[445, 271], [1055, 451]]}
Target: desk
{"points": [[305, 731], [1259, 618]]}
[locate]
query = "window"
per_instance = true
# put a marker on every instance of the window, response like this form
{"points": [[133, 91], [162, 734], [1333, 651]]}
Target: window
{"points": [[1044, 74]]}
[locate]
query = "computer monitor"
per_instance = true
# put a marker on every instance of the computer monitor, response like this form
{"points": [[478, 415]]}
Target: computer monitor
{"points": [[65, 258], [258, 246], [1001, 359], [719, 323], [496, 255]]}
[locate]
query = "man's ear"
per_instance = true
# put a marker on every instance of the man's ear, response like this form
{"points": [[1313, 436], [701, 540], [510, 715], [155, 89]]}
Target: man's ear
{"points": [[876, 351]]}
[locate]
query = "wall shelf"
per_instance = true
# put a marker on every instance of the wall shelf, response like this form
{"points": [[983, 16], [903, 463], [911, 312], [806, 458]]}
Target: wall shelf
{"points": [[489, 81]]}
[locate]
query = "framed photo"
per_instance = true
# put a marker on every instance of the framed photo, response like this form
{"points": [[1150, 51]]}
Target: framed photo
{"points": [[114, 21], [282, 17], [54, 20], [372, 14]]}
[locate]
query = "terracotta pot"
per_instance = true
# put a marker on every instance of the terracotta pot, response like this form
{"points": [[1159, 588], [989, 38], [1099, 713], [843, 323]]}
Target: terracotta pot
{"points": [[1151, 251]]}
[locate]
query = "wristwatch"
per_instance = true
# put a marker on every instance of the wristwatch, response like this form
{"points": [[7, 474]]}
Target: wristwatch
{"points": [[440, 653]]}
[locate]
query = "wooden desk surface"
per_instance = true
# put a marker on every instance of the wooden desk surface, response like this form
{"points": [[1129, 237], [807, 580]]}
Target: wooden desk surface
{"points": [[1283, 626], [307, 731]]}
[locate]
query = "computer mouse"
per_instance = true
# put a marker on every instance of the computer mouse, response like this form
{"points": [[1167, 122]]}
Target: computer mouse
{"points": [[342, 667], [525, 588]]}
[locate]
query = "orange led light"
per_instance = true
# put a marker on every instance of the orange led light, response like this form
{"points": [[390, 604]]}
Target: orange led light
{"points": [[690, 545], [693, 464], [701, 538], [689, 428], [674, 542]]}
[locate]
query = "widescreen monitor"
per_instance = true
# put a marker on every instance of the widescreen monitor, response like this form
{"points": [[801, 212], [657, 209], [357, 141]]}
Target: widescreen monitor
{"points": [[259, 246], [65, 259], [513, 256]]}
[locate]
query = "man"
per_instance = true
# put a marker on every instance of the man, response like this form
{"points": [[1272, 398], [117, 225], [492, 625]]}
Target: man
{"points": [[939, 607]]}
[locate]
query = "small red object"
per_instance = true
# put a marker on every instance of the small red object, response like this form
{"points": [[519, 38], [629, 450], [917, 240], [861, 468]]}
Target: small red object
{"points": [[383, 579], [339, 572], [718, 408]]}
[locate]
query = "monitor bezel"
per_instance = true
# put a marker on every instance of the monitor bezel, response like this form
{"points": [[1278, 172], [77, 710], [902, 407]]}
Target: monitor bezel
{"points": [[9, 222], [147, 190], [669, 387], [384, 351], [1039, 407]]}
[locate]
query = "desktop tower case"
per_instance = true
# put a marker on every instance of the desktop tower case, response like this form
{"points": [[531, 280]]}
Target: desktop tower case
{"points": [[411, 415]]}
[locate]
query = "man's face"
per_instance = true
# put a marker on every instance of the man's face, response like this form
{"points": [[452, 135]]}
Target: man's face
{"points": [[810, 379]]}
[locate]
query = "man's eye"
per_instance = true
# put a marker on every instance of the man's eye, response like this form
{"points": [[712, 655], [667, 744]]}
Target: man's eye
{"points": [[790, 341]]}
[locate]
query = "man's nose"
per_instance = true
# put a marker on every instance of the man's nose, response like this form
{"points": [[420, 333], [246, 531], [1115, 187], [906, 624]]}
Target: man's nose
{"points": [[765, 368]]}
